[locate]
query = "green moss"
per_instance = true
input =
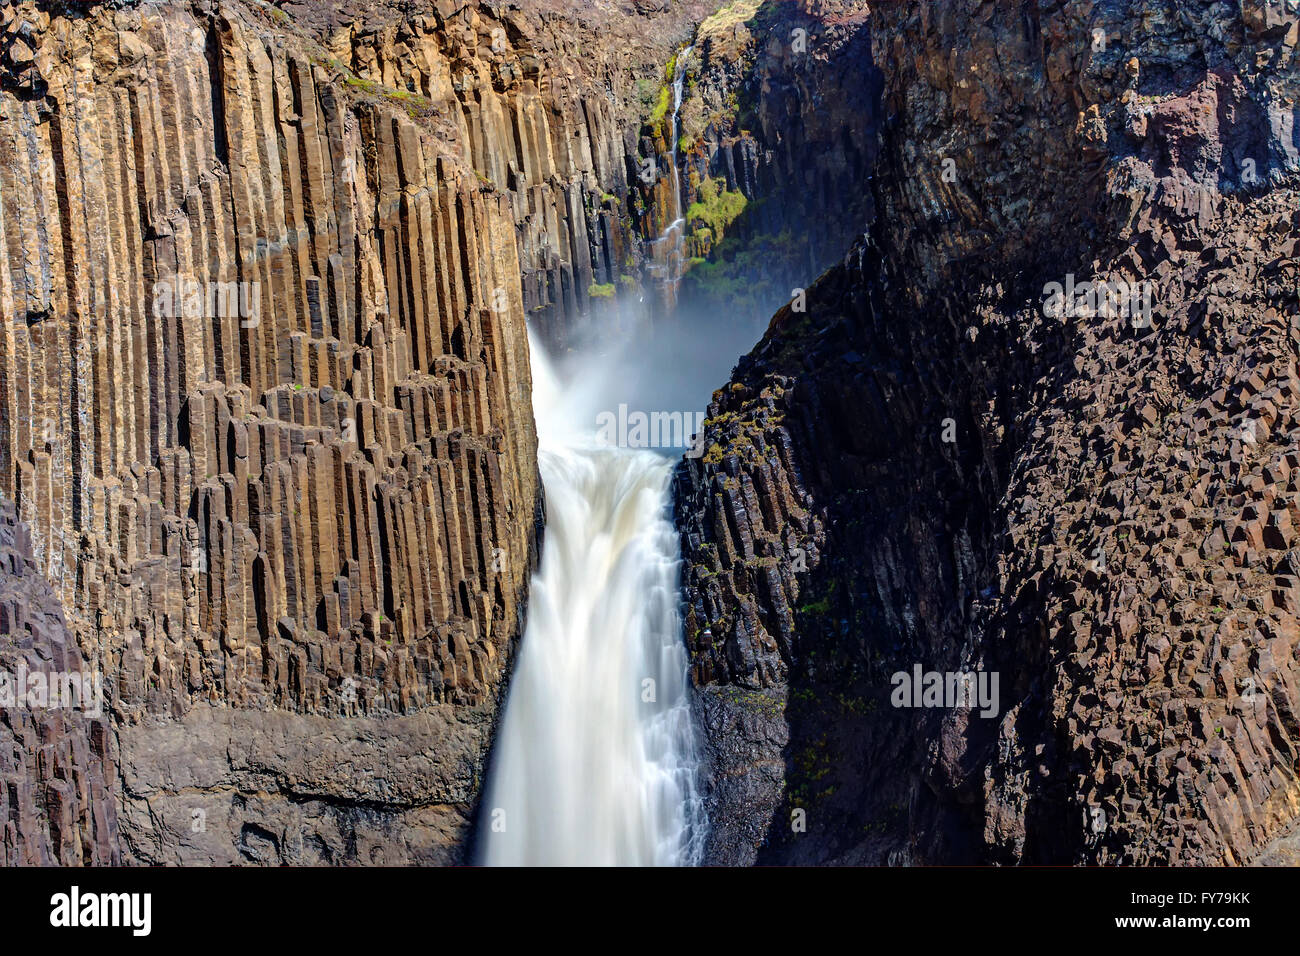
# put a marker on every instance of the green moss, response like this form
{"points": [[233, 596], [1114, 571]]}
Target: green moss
{"points": [[812, 764], [601, 291], [414, 104], [660, 109], [816, 607], [746, 276], [755, 701], [728, 18], [821, 606], [647, 92], [716, 208]]}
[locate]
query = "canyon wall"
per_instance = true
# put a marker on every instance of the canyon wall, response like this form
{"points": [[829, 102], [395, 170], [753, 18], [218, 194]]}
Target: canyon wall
{"points": [[544, 101], [932, 464], [269, 465], [778, 139], [265, 413]]}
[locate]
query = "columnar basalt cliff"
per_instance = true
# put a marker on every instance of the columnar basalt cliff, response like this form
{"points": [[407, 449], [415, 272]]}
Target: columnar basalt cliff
{"points": [[268, 466], [543, 102], [938, 463], [56, 762], [778, 135], [266, 517], [265, 401]]}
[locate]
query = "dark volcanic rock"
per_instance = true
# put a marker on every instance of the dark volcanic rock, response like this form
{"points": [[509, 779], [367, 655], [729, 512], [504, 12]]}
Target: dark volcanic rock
{"points": [[779, 128], [744, 733], [938, 465]]}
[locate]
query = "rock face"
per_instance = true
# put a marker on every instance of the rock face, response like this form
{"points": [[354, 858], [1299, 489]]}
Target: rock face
{"points": [[543, 102], [942, 465], [778, 131], [265, 277], [265, 401], [56, 762]]}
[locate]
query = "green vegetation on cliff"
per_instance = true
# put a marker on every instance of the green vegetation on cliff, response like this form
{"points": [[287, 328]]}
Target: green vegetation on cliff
{"points": [[751, 275], [728, 18], [660, 109], [716, 208]]}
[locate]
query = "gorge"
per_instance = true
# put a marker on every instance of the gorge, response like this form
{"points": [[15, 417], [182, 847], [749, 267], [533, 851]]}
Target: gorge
{"points": [[372, 570]]}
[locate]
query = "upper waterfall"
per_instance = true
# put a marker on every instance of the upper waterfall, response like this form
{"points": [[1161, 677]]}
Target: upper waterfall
{"points": [[670, 245]]}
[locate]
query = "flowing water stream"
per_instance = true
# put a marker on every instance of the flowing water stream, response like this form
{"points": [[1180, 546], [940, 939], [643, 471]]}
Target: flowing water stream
{"points": [[595, 760], [669, 248]]}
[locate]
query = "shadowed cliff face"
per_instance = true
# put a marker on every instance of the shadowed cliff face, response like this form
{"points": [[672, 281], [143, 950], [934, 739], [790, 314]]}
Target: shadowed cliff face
{"points": [[265, 401], [936, 464], [779, 132]]}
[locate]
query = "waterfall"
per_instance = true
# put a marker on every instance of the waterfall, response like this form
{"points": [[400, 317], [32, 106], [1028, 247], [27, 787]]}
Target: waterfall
{"points": [[672, 240], [679, 84], [595, 756]]}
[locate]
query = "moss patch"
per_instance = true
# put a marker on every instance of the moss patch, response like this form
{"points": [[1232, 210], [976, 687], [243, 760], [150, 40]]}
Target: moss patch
{"points": [[715, 208], [660, 109], [728, 18], [416, 105]]}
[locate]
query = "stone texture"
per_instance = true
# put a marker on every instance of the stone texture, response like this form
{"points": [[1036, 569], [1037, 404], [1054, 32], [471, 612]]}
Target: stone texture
{"points": [[780, 109], [1112, 527], [57, 763], [295, 536], [541, 99], [294, 506]]}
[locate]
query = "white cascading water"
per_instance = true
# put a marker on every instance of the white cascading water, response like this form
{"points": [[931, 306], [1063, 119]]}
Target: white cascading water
{"points": [[595, 759], [673, 237]]}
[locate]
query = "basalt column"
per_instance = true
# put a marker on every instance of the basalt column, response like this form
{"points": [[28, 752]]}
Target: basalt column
{"points": [[934, 460], [264, 406]]}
